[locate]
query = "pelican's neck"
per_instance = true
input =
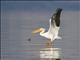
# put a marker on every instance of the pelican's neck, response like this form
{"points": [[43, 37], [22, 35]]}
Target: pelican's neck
{"points": [[42, 32]]}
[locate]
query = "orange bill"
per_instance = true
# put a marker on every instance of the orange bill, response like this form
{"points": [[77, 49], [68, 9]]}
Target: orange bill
{"points": [[36, 30]]}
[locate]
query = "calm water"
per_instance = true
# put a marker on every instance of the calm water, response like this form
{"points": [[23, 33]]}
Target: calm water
{"points": [[16, 28]]}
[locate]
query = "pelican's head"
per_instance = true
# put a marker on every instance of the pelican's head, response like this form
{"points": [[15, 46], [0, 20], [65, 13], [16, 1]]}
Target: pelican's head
{"points": [[38, 30]]}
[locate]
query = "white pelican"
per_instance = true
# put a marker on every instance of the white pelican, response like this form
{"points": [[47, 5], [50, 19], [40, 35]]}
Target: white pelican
{"points": [[53, 31]]}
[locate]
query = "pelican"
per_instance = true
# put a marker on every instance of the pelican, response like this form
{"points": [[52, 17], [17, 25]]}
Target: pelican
{"points": [[53, 31]]}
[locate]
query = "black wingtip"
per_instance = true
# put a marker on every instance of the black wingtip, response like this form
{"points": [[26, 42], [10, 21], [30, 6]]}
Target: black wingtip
{"points": [[56, 16], [59, 9]]}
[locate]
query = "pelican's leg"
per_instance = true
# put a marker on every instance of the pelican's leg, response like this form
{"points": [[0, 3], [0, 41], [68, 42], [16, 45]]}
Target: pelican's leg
{"points": [[49, 43]]}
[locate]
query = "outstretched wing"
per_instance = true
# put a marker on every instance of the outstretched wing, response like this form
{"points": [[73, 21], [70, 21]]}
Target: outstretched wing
{"points": [[55, 19]]}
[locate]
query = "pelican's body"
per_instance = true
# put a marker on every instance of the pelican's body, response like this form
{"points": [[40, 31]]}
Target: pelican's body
{"points": [[52, 34], [53, 31]]}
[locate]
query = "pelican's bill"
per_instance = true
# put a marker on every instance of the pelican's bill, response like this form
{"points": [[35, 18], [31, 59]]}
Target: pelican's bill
{"points": [[37, 30]]}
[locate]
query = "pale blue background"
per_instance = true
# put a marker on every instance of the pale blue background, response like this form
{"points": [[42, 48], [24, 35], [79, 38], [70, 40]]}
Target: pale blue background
{"points": [[19, 18]]}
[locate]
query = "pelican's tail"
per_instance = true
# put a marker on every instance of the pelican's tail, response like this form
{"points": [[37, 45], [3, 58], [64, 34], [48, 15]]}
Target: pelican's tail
{"points": [[59, 37]]}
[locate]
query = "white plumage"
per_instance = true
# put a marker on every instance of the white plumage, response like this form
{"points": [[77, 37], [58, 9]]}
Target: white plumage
{"points": [[53, 31]]}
